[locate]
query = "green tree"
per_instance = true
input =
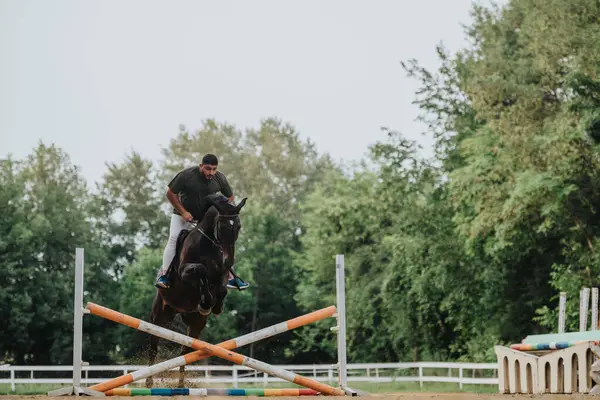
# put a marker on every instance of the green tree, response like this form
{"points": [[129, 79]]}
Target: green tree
{"points": [[394, 227], [43, 221], [129, 209], [268, 164], [519, 113], [267, 241], [136, 295]]}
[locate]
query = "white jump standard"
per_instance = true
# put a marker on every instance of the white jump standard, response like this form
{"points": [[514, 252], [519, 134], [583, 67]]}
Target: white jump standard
{"points": [[77, 389]]}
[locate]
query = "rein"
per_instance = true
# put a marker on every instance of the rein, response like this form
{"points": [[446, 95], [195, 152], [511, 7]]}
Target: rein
{"points": [[196, 226], [215, 242]]}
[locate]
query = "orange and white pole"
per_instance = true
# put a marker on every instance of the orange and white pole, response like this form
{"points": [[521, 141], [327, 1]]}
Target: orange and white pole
{"points": [[228, 345], [211, 349]]}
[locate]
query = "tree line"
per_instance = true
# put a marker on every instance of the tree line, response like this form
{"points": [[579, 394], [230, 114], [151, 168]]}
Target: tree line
{"points": [[445, 256]]}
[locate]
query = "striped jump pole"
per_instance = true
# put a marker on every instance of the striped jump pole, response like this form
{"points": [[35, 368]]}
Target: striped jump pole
{"points": [[212, 349], [549, 345], [212, 392], [228, 345]]}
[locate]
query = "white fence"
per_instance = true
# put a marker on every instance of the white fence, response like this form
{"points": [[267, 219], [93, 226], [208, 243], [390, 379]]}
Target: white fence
{"points": [[459, 373]]}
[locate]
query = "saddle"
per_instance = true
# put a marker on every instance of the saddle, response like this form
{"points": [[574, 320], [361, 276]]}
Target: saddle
{"points": [[179, 244]]}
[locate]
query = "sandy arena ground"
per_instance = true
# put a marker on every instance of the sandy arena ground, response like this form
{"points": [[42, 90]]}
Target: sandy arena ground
{"points": [[386, 396]]}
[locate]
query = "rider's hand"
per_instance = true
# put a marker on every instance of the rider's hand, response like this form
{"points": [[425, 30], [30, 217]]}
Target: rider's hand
{"points": [[187, 216]]}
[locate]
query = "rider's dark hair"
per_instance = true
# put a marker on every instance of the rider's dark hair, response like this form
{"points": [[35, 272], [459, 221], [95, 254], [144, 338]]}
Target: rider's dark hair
{"points": [[210, 159]]}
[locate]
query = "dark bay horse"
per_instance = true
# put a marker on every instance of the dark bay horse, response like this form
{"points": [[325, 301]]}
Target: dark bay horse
{"points": [[198, 273]]}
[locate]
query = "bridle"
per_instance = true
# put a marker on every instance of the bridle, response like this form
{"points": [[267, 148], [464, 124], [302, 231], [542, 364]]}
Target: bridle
{"points": [[195, 226], [216, 242], [217, 225]]}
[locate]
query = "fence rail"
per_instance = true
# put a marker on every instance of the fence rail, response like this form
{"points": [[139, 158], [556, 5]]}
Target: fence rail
{"points": [[480, 373]]}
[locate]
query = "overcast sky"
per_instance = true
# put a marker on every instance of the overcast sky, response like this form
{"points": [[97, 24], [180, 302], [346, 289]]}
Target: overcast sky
{"points": [[99, 78]]}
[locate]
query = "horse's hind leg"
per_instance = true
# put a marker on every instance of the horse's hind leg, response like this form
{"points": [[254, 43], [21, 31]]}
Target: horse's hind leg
{"points": [[160, 317], [195, 324]]}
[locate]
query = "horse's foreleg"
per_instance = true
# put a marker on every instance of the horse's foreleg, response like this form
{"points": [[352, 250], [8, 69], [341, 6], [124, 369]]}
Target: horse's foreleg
{"points": [[195, 324], [152, 351], [160, 317], [220, 303], [206, 298]]}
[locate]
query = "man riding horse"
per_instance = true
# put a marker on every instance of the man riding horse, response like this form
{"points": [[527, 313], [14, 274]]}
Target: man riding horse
{"points": [[187, 193], [197, 262]]}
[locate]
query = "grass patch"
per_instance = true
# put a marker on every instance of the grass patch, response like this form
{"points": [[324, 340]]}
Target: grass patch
{"points": [[31, 389], [28, 388], [439, 387]]}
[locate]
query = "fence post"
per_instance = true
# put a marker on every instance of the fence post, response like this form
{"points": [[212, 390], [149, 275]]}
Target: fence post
{"points": [[594, 326], [420, 377], [584, 301], [12, 380], [460, 378], [562, 307], [235, 377]]}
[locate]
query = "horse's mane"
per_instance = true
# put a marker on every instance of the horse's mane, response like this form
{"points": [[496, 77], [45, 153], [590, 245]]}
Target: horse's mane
{"points": [[221, 203]]}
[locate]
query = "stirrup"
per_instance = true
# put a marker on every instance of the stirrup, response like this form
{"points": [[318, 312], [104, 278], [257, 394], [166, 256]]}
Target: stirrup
{"points": [[162, 282]]}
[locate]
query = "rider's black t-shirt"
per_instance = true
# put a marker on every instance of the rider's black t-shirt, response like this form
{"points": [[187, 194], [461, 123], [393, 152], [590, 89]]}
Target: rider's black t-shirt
{"points": [[192, 188]]}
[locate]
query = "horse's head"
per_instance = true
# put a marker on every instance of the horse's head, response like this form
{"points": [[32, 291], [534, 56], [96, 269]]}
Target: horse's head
{"points": [[225, 221]]}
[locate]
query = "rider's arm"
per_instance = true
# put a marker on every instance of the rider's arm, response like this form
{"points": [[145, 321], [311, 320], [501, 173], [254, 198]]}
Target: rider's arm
{"points": [[177, 185], [225, 187], [174, 200]]}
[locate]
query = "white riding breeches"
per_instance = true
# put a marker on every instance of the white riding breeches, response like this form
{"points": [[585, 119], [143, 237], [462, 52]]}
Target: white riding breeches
{"points": [[177, 224]]}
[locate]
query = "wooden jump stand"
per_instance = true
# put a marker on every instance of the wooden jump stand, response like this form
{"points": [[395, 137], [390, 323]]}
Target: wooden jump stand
{"points": [[204, 350], [555, 363]]}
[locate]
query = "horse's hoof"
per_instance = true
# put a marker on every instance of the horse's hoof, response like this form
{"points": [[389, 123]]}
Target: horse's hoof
{"points": [[149, 382], [181, 384], [203, 311], [218, 309]]}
